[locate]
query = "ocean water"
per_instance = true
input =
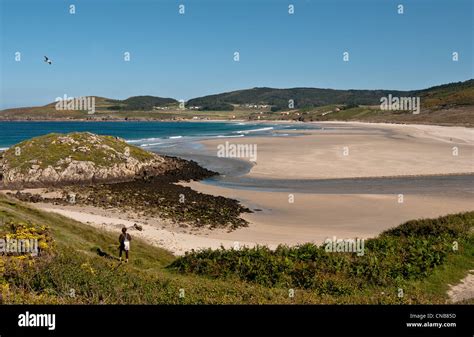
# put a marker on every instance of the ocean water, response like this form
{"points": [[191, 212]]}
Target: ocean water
{"points": [[152, 135]]}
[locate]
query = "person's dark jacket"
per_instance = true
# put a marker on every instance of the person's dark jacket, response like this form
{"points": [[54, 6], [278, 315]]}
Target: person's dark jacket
{"points": [[122, 239]]}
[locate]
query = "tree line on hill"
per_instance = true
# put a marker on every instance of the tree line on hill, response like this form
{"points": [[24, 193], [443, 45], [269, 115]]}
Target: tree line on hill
{"points": [[297, 98], [141, 103]]}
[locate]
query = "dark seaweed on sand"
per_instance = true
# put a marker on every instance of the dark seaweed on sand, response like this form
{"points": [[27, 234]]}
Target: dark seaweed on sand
{"points": [[160, 196]]}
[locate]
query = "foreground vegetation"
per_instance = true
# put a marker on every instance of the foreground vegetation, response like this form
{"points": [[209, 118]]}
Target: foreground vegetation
{"points": [[408, 252], [416, 257]]}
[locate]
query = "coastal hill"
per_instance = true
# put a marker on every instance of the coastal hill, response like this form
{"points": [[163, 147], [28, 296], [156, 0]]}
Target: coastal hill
{"points": [[103, 107], [302, 97], [447, 104], [448, 95], [460, 93], [140, 103], [75, 158]]}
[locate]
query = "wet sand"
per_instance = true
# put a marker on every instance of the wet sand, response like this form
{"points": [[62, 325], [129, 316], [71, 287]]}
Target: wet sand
{"points": [[315, 217], [348, 150]]}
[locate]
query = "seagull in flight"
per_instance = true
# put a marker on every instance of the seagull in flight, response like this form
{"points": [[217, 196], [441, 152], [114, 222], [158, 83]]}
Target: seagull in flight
{"points": [[47, 60]]}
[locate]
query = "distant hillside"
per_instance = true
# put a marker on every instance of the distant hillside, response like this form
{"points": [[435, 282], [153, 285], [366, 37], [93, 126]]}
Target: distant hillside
{"points": [[447, 104], [459, 93], [141, 103], [103, 106], [302, 97], [447, 95]]}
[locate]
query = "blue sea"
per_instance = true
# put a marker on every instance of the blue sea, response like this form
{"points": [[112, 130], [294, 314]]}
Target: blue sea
{"points": [[153, 135]]}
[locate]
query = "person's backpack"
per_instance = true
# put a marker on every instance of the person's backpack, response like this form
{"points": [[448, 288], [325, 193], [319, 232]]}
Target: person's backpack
{"points": [[126, 242]]}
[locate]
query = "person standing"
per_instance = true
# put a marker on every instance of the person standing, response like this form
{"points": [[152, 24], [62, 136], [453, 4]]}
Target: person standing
{"points": [[124, 240]]}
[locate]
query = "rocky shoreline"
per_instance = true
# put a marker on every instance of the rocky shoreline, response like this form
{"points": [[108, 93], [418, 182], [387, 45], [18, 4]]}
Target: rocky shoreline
{"points": [[106, 172], [61, 159], [153, 196]]}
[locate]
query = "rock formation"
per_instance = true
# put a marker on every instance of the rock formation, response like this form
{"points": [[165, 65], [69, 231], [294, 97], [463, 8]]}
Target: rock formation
{"points": [[80, 157]]}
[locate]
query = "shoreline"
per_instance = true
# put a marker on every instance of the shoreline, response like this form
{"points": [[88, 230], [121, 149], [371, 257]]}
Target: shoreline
{"points": [[274, 221], [313, 217]]}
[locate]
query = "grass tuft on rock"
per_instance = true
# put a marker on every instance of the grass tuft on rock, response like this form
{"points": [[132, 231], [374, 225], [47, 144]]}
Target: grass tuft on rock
{"points": [[52, 150]]}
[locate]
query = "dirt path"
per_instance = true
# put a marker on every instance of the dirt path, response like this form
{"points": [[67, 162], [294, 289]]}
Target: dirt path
{"points": [[463, 290]]}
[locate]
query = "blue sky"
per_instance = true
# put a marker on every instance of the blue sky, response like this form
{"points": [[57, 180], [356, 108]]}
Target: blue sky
{"points": [[190, 55]]}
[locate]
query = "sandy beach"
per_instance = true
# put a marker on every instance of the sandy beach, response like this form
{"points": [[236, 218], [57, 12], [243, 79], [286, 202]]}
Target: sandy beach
{"points": [[375, 150], [154, 231], [316, 217], [343, 150]]}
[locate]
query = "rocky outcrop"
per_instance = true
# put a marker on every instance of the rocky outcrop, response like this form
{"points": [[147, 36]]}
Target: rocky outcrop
{"points": [[58, 159], [80, 171]]}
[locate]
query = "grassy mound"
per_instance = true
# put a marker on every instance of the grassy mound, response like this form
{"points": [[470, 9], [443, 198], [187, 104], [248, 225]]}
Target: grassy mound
{"points": [[53, 148], [78, 157]]}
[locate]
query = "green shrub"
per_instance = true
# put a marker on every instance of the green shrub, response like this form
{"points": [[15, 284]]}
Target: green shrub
{"points": [[407, 252]]}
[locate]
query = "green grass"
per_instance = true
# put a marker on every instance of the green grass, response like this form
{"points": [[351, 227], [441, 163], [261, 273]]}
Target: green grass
{"points": [[449, 273], [410, 252], [48, 150], [149, 279], [99, 280], [349, 114]]}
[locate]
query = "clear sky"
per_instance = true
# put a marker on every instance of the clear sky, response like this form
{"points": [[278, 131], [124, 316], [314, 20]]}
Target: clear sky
{"points": [[190, 55]]}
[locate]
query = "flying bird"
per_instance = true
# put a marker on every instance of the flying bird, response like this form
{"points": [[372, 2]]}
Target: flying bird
{"points": [[47, 60]]}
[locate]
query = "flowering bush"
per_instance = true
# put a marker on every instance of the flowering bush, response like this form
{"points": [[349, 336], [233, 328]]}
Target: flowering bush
{"points": [[14, 265]]}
